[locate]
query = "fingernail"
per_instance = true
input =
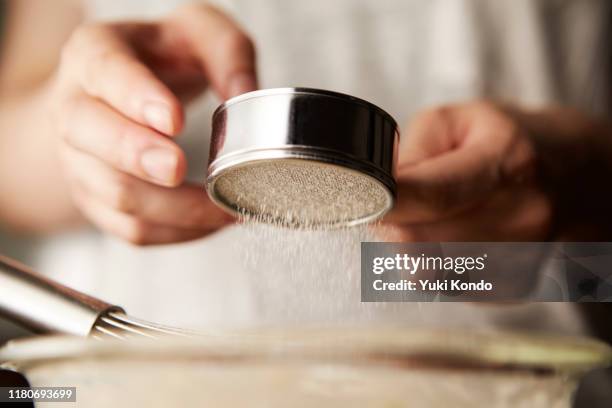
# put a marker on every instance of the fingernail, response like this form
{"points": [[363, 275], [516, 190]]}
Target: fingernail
{"points": [[158, 117], [160, 164], [241, 83]]}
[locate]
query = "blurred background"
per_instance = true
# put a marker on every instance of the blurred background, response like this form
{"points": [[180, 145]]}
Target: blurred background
{"points": [[403, 55]]}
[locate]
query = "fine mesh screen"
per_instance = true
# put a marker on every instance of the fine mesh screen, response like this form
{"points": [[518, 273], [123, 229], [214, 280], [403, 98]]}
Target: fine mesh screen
{"points": [[299, 192]]}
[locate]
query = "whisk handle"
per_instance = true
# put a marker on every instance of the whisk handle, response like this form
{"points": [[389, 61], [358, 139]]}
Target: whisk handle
{"points": [[44, 306]]}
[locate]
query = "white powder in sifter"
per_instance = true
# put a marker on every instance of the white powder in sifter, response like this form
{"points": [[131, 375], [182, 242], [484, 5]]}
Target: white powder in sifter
{"points": [[302, 193]]}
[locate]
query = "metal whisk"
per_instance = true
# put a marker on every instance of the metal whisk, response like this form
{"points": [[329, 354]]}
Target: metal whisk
{"points": [[121, 326], [44, 306]]}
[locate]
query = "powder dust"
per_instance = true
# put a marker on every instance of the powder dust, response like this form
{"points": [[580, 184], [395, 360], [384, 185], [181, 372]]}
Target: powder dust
{"points": [[310, 276], [307, 275]]}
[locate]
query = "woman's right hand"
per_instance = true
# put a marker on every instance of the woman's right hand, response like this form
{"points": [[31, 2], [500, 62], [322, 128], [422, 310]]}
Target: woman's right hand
{"points": [[117, 105]]}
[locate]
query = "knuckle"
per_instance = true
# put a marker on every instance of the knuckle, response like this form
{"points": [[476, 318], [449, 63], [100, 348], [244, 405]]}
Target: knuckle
{"points": [[70, 169], [122, 197], [82, 38], [61, 125], [487, 108], [89, 52], [485, 105], [433, 115], [194, 8], [512, 144], [73, 44], [437, 121], [121, 155], [440, 111], [104, 63], [62, 117], [236, 42], [191, 10], [136, 232], [77, 192]]}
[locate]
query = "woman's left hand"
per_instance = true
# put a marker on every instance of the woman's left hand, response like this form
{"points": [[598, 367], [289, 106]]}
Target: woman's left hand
{"points": [[467, 173]]}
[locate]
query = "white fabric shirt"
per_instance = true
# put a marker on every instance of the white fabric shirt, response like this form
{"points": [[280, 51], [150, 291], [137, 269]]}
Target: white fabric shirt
{"points": [[403, 55]]}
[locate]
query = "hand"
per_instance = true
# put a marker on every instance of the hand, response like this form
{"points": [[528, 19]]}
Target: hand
{"points": [[118, 102], [467, 173]]}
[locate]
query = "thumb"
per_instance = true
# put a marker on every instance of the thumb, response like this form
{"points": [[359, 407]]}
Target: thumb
{"points": [[442, 168]]}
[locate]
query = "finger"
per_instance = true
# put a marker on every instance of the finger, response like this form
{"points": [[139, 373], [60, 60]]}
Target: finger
{"points": [[225, 51], [94, 128], [444, 185], [428, 134], [186, 206], [104, 65], [514, 214], [133, 229]]}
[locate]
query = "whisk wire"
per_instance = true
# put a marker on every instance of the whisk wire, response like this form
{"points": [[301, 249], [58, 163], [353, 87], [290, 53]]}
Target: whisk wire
{"points": [[121, 326]]}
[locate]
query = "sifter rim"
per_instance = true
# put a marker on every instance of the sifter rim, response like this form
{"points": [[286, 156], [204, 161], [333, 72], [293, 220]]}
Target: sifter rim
{"points": [[260, 93]]}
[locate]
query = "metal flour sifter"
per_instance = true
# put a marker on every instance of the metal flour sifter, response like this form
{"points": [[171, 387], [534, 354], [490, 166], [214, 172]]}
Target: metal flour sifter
{"points": [[302, 157]]}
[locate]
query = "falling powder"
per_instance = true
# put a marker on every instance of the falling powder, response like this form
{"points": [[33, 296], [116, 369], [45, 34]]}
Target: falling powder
{"points": [[303, 275]]}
